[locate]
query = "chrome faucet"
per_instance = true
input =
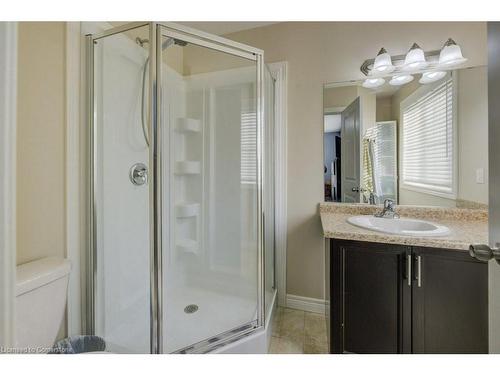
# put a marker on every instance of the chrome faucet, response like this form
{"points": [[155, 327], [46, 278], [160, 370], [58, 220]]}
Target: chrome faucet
{"points": [[388, 211], [373, 198]]}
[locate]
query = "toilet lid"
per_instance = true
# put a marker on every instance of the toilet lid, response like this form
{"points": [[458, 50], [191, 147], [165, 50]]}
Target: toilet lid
{"points": [[32, 275]]}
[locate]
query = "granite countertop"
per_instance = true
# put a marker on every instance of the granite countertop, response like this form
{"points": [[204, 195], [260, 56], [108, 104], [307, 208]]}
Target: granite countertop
{"points": [[467, 226]]}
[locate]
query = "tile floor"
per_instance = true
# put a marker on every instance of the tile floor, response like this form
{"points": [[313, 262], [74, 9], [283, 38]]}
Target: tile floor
{"points": [[298, 332]]}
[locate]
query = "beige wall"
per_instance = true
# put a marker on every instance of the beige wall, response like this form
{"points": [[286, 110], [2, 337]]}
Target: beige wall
{"points": [[384, 109], [40, 141], [334, 97], [368, 109], [401, 95], [319, 53], [472, 133]]}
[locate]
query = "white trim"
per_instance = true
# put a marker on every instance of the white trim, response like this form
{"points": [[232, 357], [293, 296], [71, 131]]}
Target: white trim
{"points": [[8, 109], [314, 305], [333, 110], [342, 84], [279, 72], [74, 210]]}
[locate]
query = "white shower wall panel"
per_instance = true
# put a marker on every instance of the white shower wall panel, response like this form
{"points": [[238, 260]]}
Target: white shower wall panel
{"points": [[122, 301]]}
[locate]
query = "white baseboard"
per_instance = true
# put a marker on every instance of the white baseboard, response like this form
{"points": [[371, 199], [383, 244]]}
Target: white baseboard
{"points": [[314, 305]]}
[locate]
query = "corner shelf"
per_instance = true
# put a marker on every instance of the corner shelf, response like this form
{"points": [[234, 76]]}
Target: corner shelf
{"points": [[187, 167], [188, 125], [184, 210], [188, 245]]}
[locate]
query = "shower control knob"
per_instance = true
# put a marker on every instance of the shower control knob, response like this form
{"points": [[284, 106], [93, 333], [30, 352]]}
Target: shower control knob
{"points": [[139, 174]]}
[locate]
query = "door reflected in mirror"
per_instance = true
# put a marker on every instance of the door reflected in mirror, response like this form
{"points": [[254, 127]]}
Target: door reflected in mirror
{"points": [[418, 144]]}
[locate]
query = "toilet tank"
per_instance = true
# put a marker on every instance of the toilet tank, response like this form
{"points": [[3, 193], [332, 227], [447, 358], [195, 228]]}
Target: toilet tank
{"points": [[41, 290]]}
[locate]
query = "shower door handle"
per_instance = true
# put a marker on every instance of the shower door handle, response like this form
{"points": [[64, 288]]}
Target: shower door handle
{"points": [[408, 268], [418, 276]]}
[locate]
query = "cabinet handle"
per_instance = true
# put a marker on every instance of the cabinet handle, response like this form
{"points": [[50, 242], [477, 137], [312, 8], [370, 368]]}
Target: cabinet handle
{"points": [[408, 265], [419, 271]]}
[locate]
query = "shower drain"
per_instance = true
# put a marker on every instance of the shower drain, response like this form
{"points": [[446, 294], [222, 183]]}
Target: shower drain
{"points": [[190, 309]]}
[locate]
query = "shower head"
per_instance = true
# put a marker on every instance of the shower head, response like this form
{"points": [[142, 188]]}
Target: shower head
{"points": [[181, 43], [167, 43]]}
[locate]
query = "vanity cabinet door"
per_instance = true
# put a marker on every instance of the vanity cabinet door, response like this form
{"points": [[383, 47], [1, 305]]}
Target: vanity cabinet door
{"points": [[450, 302], [376, 298]]}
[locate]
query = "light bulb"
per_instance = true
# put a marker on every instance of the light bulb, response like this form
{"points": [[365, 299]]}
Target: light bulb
{"points": [[371, 83], [433, 76], [400, 79]]}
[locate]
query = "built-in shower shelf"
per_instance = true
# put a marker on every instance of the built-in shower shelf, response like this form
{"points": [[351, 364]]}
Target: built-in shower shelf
{"points": [[188, 245], [188, 125], [187, 210], [187, 167]]}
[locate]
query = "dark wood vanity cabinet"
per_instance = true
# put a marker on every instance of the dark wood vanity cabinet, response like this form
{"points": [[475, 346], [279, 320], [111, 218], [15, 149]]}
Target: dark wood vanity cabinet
{"points": [[401, 299], [450, 302], [374, 295]]}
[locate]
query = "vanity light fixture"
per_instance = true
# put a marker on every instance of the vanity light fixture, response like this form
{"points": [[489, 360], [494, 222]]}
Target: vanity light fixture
{"points": [[401, 79], [415, 58], [383, 62], [432, 76], [451, 54], [432, 65], [372, 83]]}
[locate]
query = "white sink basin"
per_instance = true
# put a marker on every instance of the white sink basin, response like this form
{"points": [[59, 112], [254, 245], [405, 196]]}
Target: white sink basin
{"points": [[402, 226]]}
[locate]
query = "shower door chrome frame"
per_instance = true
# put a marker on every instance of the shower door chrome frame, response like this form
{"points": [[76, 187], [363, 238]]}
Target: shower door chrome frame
{"points": [[91, 258], [200, 38], [156, 31], [155, 195]]}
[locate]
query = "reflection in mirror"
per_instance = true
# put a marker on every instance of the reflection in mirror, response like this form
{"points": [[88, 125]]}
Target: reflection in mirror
{"points": [[419, 143]]}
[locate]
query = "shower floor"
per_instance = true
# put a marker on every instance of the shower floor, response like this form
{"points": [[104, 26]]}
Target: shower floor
{"points": [[217, 313]]}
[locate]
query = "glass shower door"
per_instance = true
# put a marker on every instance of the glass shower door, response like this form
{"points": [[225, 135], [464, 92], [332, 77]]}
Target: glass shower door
{"points": [[209, 116], [121, 260]]}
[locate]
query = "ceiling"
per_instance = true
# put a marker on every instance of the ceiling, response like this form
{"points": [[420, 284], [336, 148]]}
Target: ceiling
{"points": [[222, 28]]}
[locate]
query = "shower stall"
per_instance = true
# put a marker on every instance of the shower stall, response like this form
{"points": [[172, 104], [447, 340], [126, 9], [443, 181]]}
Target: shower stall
{"points": [[181, 210]]}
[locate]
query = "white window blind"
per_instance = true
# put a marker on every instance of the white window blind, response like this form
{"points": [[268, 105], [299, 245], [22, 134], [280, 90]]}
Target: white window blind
{"points": [[248, 148], [428, 141]]}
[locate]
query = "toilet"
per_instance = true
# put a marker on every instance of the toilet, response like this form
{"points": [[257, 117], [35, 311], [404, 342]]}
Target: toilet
{"points": [[41, 291]]}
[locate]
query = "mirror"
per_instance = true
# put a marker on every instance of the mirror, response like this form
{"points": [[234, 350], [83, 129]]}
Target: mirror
{"points": [[417, 143]]}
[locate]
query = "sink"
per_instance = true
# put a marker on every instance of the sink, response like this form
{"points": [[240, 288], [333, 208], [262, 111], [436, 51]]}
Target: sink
{"points": [[402, 226]]}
